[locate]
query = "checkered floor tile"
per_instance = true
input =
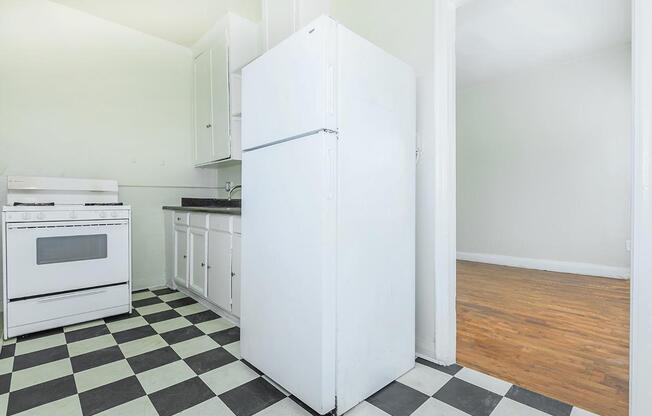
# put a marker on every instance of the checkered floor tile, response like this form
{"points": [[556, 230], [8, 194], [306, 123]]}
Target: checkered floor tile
{"points": [[173, 356]]}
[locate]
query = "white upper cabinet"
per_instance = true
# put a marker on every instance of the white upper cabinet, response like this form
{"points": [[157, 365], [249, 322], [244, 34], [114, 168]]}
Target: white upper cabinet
{"points": [[220, 97], [203, 106], [281, 18], [218, 57]]}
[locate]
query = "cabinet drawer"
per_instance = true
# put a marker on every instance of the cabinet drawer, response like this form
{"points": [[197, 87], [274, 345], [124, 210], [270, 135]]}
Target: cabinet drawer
{"points": [[31, 311], [181, 218], [236, 225], [220, 222], [199, 220]]}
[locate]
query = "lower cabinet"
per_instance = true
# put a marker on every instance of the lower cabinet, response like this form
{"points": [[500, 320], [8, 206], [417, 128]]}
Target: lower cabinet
{"points": [[219, 274], [235, 275], [198, 260], [181, 255], [207, 257]]}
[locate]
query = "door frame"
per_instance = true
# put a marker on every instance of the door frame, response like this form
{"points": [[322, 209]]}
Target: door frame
{"points": [[640, 361], [640, 378], [445, 238]]}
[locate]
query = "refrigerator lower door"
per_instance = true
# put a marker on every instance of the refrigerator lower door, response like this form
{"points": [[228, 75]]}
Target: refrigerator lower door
{"points": [[288, 266]]}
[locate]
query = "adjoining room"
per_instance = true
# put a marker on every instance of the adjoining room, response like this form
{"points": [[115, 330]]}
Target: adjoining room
{"points": [[544, 137]]}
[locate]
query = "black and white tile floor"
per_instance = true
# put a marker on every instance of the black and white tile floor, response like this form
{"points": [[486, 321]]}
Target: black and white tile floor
{"points": [[173, 356]]}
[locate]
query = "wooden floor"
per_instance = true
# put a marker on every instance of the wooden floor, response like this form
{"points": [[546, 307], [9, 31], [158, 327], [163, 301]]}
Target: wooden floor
{"points": [[562, 335]]}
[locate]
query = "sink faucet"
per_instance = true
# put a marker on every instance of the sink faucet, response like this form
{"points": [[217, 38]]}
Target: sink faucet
{"points": [[233, 189]]}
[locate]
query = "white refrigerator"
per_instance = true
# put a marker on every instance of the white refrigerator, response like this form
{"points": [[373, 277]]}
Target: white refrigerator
{"points": [[328, 216]]}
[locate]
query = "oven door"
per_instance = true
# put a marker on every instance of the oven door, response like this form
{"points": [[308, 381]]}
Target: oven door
{"points": [[45, 258]]}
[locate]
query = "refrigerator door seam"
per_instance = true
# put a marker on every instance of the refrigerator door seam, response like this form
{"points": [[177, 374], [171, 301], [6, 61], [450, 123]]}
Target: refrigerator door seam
{"points": [[287, 139]]}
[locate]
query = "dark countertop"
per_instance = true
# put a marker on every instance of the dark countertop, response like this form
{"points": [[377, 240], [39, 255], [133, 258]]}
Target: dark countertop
{"points": [[214, 210], [220, 206]]}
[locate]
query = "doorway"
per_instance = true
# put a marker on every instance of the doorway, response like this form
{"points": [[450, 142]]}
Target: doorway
{"points": [[444, 195], [543, 163]]}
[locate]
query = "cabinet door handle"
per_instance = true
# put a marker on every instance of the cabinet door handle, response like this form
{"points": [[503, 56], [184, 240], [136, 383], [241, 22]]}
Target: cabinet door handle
{"points": [[208, 126], [208, 267], [232, 274], [202, 265], [185, 257]]}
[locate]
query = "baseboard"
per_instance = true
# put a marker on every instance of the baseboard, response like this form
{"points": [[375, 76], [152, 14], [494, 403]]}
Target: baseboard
{"points": [[432, 360], [147, 287], [425, 349], [548, 265]]}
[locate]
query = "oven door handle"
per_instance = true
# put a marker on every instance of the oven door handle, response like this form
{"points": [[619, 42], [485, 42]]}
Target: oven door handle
{"points": [[70, 295]]}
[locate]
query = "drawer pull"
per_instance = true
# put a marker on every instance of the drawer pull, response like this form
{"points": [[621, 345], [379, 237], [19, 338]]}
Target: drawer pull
{"points": [[72, 295]]}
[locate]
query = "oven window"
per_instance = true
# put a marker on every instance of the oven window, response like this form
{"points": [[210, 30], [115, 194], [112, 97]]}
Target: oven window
{"points": [[70, 248]]}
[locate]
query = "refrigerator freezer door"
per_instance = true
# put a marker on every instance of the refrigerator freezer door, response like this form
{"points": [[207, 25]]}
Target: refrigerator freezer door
{"points": [[289, 91], [288, 266]]}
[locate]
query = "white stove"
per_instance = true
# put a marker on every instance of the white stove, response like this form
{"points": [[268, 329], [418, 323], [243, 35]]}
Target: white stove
{"points": [[66, 248], [24, 213]]}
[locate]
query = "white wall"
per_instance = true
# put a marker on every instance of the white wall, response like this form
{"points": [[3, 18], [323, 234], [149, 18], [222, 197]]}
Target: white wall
{"points": [[231, 173], [84, 97], [544, 165], [405, 29]]}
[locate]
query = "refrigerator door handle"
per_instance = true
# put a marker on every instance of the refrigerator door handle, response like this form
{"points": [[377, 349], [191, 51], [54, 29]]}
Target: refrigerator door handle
{"points": [[330, 90], [332, 174]]}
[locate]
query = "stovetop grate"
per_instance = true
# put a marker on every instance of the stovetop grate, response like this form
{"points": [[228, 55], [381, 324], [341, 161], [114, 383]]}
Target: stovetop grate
{"points": [[33, 204]]}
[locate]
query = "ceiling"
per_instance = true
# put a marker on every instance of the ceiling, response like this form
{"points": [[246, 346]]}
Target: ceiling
{"points": [[495, 37], [179, 21]]}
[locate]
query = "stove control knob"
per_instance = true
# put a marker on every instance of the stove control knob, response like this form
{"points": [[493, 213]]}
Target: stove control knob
{"points": [[40, 215], [114, 214], [102, 214]]}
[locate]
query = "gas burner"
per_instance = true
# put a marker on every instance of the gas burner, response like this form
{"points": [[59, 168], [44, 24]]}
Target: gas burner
{"points": [[102, 204], [33, 204]]}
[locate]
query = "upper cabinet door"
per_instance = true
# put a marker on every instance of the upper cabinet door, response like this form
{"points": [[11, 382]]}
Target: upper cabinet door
{"points": [[220, 91], [220, 54], [203, 108], [278, 18], [289, 91]]}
